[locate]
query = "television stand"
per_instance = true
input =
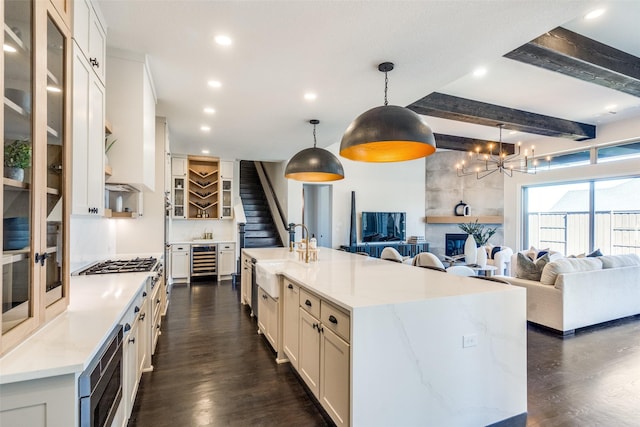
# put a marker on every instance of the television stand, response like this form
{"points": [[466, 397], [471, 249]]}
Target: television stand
{"points": [[374, 249]]}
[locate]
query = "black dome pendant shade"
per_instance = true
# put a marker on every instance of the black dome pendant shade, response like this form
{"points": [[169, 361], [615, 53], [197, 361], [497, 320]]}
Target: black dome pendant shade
{"points": [[388, 133], [314, 164]]}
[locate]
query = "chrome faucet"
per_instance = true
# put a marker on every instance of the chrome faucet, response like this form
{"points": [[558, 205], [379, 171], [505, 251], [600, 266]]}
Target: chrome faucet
{"points": [[306, 247]]}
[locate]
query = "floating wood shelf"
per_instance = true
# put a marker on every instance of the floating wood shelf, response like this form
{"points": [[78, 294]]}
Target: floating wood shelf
{"points": [[108, 171], [108, 213], [453, 219]]}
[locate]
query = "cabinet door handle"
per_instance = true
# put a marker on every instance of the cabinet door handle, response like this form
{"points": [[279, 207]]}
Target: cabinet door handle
{"points": [[137, 309], [127, 327], [290, 286], [314, 326], [94, 62], [144, 294], [143, 315], [333, 319], [264, 296], [307, 303], [132, 340]]}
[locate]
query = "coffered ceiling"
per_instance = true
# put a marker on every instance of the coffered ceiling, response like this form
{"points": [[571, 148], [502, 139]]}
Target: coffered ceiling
{"points": [[282, 50]]}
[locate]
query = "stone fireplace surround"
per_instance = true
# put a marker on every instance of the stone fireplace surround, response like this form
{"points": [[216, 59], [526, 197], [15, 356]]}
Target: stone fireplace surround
{"points": [[444, 190]]}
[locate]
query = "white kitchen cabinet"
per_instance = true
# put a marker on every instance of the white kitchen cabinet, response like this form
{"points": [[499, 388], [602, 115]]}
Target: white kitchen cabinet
{"points": [[334, 376], [89, 33], [180, 262], [291, 320], [268, 317], [130, 107], [226, 190], [144, 344], [309, 355], [178, 197], [156, 308], [323, 352], [88, 139], [179, 166], [246, 278], [226, 169], [130, 366], [226, 260]]}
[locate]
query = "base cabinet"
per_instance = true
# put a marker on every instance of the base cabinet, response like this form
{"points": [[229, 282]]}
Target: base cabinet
{"points": [[180, 262], [291, 321], [323, 352], [268, 317], [245, 281], [130, 371]]}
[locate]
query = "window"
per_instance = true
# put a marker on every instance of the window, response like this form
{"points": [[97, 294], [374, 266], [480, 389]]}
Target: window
{"points": [[619, 152], [580, 217]]}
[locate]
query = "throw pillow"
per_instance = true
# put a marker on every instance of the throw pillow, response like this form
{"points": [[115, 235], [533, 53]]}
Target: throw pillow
{"points": [[595, 253], [494, 251], [615, 261], [530, 270], [568, 265]]}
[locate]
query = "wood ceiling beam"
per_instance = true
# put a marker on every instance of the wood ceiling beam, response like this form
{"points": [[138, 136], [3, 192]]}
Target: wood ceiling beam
{"points": [[577, 56], [461, 143], [470, 111]]}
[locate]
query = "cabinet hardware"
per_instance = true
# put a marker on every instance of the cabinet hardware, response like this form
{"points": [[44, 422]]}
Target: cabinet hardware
{"points": [[264, 296], [94, 62], [315, 325], [157, 326], [290, 286], [143, 315], [127, 327], [137, 309], [333, 320], [132, 340], [158, 302], [144, 294], [41, 258], [307, 303]]}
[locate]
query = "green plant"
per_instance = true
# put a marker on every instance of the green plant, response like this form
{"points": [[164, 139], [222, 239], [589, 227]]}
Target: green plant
{"points": [[108, 144], [480, 233], [17, 154]]}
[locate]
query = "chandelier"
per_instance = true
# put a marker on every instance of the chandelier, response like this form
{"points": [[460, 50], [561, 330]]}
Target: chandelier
{"points": [[484, 164]]}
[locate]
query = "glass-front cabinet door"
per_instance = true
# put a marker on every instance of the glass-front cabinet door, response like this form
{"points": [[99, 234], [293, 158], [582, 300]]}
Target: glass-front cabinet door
{"points": [[35, 115]]}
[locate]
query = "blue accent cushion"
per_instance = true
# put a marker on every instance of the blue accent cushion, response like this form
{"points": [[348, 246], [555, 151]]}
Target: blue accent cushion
{"points": [[495, 250], [595, 253]]}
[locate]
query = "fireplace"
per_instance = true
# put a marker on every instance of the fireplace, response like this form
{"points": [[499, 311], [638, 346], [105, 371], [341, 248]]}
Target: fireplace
{"points": [[454, 244]]}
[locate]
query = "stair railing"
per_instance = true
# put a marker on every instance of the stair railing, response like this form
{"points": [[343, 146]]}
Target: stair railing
{"points": [[279, 218]]}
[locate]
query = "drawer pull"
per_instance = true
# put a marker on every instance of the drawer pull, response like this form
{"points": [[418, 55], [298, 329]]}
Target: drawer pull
{"points": [[127, 327], [144, 294], [333, 319], [290, 286], [132, 340], [137, 309], [158, 301], [142, 316], [264, 296], [307, 303]]}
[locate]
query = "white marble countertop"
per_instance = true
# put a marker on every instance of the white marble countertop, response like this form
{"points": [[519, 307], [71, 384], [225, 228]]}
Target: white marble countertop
{"points": [[68, 343], [353, 281]]}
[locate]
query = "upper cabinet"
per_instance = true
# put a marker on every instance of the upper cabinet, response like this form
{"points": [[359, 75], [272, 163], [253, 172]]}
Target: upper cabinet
{"points": [[130, 106], [35, 203], [90, 35], [88, 111]]}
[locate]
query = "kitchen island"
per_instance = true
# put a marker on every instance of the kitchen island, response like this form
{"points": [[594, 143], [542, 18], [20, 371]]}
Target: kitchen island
{"points": [[417, 347]]}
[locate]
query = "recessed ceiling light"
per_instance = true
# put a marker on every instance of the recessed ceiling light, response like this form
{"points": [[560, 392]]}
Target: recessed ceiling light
{"points": [[611, 107], [205, 128], [513, 132], [594, 14], [479, 72], [214, 83], [8, 48], [209, 110], [310, 96], [223, 40], [205, 151]]}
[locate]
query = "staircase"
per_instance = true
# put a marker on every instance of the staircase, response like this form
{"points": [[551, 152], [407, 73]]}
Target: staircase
{"points": [[260, 230]]}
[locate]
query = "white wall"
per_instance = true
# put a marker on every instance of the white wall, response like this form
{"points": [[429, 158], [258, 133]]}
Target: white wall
{"points": [[383, 187], [624, 130], [90, 239], [185, 230]]}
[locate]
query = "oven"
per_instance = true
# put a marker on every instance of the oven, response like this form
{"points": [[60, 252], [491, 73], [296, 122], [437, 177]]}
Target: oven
{"points": [[100, 385]]}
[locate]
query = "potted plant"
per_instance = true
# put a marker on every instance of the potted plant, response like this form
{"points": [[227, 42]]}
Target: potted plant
{"points": [[107, 147], [476, 254], [17, 157]]}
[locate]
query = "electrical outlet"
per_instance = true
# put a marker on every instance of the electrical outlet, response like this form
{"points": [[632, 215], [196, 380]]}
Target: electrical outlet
{"points": [[470, 340]]}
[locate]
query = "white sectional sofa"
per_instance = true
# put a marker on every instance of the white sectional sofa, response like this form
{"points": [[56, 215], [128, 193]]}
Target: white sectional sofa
{"points": [[577, 299]]}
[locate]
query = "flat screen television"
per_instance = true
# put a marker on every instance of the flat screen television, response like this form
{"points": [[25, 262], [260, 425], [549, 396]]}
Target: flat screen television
{"points": [[383, 226]]}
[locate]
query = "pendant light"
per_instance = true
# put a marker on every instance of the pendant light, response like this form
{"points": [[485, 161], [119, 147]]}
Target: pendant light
{"points": [[388, 133], [314, 164]]}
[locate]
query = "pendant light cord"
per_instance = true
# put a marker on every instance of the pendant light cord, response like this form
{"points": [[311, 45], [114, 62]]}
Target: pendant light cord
{"points": [[386, 87], [314, 136]]}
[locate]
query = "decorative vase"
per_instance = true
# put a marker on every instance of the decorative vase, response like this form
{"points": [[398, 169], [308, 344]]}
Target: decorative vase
{"points": [[470, 250], [481, 259], [119, 203], [14, 173]]}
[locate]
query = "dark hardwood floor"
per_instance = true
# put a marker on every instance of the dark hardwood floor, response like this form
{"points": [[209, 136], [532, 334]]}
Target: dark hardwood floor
{"points": [[212, 369]]}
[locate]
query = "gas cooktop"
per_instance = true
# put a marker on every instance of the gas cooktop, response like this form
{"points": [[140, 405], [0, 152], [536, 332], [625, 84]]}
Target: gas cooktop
{"points": [[121, 266]]}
